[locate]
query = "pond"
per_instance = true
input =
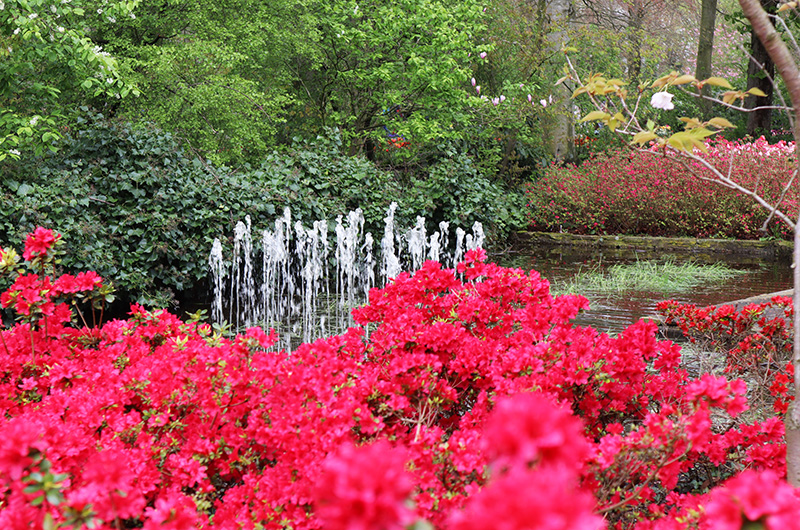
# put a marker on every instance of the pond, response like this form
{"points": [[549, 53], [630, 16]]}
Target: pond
{"points": [[613, 313]]}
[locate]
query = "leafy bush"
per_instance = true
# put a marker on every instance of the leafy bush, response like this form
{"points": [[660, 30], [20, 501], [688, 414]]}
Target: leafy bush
{"points": [[455, 190], [473, 403], [135, 207], [138, 209], [631, 192]]}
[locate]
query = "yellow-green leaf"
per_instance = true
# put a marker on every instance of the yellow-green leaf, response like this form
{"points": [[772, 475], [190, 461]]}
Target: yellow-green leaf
{"points": [[720, 122], [730, 96], [676, 142], [644, 137], [701, 132], [717, 81], [684, 141], [596, 115], [787, 6], [682, 80], [757, 92], [691, 123]]}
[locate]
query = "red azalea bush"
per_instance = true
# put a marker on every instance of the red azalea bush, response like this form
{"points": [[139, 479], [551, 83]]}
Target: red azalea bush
{"points": [[633, 192], [460, 401], [754, 341]]}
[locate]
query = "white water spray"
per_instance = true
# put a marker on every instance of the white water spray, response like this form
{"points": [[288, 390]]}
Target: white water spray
{"points": [[309, 287]]}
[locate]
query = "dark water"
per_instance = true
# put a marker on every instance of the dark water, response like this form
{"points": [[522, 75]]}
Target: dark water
{"points": [[613, 313]]}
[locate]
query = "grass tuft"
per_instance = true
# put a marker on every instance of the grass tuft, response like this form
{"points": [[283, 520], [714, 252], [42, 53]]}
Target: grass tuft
{"points": [[663, 277]]}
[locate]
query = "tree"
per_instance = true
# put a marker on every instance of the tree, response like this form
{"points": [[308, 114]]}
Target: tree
{"points": [[233, 78], [760, 72], [705, 49], [210, 71], [609, 98], [787, 66], [49, 64], [399, 66], [634, 38], [560, 128]]}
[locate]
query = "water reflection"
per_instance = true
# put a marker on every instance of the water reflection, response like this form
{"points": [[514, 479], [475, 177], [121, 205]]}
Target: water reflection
{"points": [[613, 313]]}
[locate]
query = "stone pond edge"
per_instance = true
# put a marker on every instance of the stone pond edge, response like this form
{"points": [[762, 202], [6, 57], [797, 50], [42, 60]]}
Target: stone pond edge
{"points": [[770, 248]]}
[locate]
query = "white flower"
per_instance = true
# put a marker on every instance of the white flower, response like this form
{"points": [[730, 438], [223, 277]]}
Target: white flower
{"points": [[112, 19], [662, 100], [530, 98], [60, 29], [32, 16], [110, 81], [34, 120], [472, 81], [2, 5], [502, 98], [99, 11], [132, 15], [543, 102], [53, 8], [14, 152], [495, 101], [16, 31]]}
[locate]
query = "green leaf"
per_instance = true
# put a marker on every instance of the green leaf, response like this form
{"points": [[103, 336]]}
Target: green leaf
{"points": [[596, 115], [720, 122], [718, 81], [644, 137]]}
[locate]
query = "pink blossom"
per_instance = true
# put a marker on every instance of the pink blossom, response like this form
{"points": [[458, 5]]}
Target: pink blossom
{"points": [[364, 488]]}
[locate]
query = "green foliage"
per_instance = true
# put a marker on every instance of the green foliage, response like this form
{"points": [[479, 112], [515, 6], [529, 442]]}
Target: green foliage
{"points": [[48, 64], [134, 207], [138, 210], [415, 54], [341, 183], [457, 191], [231, 85], [208, 73]]}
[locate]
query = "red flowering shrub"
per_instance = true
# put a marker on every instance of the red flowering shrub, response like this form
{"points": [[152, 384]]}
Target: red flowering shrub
{"points": [[752, 497], [470, 403], [755, 342], [362, 488], [625, 192]]}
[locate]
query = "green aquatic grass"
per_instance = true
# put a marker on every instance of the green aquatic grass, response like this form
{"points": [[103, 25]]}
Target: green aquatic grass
{"points": [[663, 277]]}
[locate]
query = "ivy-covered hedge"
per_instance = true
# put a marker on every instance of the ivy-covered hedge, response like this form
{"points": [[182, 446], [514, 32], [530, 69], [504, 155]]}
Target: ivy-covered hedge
{"points": [[140, 210]]}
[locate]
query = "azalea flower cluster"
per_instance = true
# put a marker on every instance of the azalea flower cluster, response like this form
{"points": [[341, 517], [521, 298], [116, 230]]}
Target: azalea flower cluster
{"points": [[462, 399], [633, 192], [755, 341]]}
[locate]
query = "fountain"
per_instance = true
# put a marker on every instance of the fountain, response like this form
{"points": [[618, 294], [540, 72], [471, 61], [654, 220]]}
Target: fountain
{"points": [[307, 289]]}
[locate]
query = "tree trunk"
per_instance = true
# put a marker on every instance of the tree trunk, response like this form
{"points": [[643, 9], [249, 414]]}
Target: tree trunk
{"points": [[705, 49], [788, 69], [760, 71], [559, 128]]}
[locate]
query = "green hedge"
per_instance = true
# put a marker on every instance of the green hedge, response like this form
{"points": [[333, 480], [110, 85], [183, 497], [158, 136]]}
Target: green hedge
{"points": [[139, 210]]}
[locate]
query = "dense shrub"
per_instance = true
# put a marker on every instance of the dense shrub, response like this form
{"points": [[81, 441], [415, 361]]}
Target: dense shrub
{"points": [[754, 342], [632, 192], [472, 403], [140, 210]]}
